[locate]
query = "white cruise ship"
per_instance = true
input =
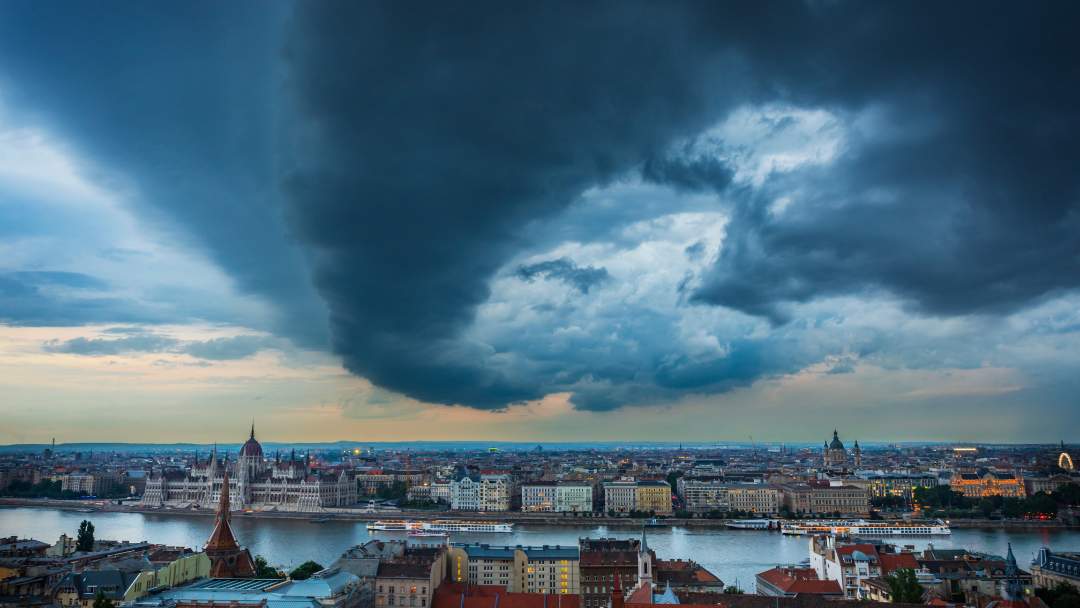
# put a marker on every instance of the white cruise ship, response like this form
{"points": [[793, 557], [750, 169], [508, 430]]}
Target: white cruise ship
{"points": [[862, 527], [441, 525], [751, 524]]}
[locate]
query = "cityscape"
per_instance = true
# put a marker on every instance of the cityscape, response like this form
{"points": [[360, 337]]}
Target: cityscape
{"points": [[874, 524], [539, 304]]}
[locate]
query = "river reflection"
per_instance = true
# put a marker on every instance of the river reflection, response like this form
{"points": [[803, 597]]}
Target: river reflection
{"points": [[734, 555]]}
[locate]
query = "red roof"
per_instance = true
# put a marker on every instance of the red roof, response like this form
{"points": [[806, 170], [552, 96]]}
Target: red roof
{"points": [[458, 595], [864, 547], [799, 581], [897, 561], [641, 595]]}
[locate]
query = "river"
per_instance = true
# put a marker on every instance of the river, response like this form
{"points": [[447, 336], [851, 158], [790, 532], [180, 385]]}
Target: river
{"points": [[734, 555]]}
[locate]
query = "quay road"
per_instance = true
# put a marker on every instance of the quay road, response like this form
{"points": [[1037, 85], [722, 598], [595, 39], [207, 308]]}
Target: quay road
{"points": [[531, 519]]}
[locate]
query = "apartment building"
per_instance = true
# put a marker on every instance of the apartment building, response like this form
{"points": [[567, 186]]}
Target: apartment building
{"points": [[825, 500], [627, 494], [546, 569], [490, 492], [717, 495]]}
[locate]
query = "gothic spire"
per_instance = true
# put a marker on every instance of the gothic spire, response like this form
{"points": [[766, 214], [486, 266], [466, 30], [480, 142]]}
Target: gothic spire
{"points": [[222, 538], [223, 505]]}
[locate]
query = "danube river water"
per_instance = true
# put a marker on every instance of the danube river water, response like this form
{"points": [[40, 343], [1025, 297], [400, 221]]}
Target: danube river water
{"points": [[734, 555]]}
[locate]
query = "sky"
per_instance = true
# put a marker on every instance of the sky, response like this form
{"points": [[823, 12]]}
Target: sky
{"points": [[633, 220]]}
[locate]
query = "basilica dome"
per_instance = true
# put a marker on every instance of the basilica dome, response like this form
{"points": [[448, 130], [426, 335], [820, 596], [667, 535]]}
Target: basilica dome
{"points": [[251, 446]]}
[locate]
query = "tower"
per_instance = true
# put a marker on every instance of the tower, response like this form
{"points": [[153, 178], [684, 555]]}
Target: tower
{"points": [[644, 561], [858, 455], [1012, 588], [835, 453], [227, 558], [249, 466]]}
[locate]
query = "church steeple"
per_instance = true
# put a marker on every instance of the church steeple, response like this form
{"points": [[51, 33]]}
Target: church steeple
{"points": [[227, 558], [645, 568], [222, 537], [1014, 588]]}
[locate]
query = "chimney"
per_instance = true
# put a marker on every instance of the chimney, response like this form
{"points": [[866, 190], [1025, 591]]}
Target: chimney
{"points": [[617, 599]]}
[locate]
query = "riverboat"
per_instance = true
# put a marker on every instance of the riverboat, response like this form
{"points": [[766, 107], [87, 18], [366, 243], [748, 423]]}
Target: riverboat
{"points": [[442, 525], [862, 527], [751, 524]]}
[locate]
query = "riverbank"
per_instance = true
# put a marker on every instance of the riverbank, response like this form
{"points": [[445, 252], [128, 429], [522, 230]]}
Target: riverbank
{"points": [[530, 519]]}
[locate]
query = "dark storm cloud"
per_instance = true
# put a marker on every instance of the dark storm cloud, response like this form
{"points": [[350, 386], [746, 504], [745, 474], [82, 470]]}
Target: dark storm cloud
{"points": [[959, 192], [430, 136], [422, 144], [692, 173], [581, 278], [179, 101]]}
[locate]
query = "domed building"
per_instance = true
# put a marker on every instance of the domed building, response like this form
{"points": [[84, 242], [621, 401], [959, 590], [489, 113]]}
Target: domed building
{"points": [[252, 481], [251, 455], [835, 455]]}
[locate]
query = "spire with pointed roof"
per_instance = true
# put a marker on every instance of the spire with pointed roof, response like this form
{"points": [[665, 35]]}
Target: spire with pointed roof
{"points": [[644, 559], [1013, 589], [227, 558], [222, 537]]}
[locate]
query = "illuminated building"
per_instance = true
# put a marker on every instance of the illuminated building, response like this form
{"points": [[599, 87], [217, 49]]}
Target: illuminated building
{"points": [[988, 483]]}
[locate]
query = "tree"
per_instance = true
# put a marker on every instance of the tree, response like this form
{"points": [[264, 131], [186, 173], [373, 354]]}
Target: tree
{"points": [[305, 570], [888, 502], [85, 538], [1068, 494], [733, 590], [673, 481], [1069, 600], [263, 569], [904, 587], [940, 496], [397, 489], [1051, 595], [100, 601], [1042, 504]]}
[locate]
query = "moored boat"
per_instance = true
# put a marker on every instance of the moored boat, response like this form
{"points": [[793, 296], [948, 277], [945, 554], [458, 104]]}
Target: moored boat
{"points": [[862, 527], [751, 524], [442, 525]]}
